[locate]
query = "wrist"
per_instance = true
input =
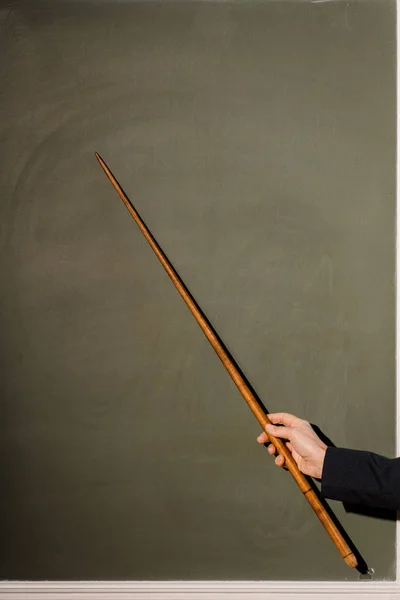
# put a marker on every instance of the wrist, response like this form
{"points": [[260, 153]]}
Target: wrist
{"points": [[320, 461]]}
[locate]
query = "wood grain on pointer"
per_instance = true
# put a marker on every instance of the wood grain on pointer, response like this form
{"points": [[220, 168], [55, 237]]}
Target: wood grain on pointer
{"points": [[233, 371]]}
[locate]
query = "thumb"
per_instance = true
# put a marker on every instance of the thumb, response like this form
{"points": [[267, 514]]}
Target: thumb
{"points": [[279, 432]]}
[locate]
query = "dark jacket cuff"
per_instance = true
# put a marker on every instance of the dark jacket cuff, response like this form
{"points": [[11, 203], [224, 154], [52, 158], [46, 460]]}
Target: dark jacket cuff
{"points": [[359, 477]]}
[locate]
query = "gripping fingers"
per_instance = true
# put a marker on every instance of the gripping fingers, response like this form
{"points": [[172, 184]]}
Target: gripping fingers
{"points": [[263, 439], [279, 460]]}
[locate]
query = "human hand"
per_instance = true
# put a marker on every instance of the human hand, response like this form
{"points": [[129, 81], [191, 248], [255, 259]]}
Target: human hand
{"points": [[306, 447]]}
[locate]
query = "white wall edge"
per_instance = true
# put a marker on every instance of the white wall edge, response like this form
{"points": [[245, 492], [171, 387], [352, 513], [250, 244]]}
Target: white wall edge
{"points": [[397, 271], [199, 590]]}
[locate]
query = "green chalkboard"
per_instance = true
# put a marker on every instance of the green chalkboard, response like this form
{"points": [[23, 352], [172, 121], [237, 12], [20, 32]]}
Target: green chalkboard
{"points": [[257, 140]]}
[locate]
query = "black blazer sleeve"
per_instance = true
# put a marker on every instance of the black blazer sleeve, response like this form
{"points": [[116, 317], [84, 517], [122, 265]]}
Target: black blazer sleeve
{"points": [[358, 477]]}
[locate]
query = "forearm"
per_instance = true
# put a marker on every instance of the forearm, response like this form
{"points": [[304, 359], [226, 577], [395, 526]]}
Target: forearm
{"points": [[358, 477]]}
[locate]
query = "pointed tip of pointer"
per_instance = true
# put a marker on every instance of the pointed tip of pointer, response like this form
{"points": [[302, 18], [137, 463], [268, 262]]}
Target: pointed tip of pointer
{"points": [[101, 161]]}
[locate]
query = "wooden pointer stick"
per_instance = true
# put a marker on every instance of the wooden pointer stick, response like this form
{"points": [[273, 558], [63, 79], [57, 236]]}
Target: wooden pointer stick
{"points": [[244, 389]]}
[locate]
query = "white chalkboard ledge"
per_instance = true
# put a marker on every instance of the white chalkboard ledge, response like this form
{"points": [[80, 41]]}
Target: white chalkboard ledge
{"points": [[201, 590]]}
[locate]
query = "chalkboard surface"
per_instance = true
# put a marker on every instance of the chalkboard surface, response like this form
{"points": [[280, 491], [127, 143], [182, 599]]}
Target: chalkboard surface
{"points": [[257, 140]]}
